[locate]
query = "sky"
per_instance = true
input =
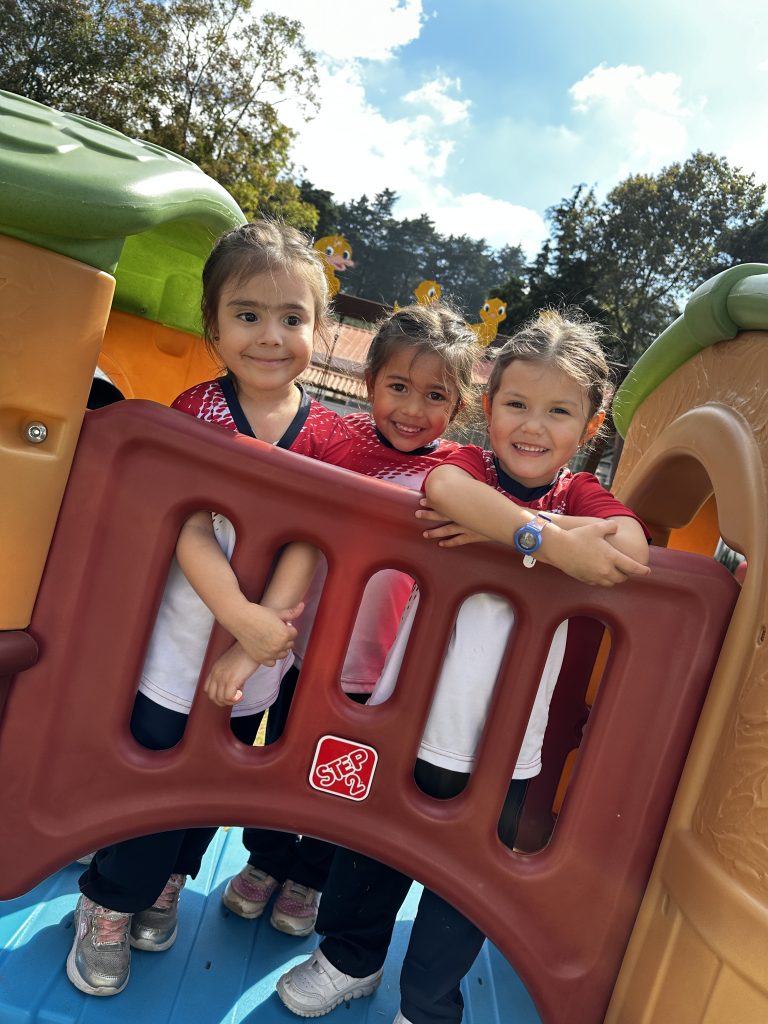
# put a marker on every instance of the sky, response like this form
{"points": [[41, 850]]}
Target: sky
{"points": [[484, 113]]}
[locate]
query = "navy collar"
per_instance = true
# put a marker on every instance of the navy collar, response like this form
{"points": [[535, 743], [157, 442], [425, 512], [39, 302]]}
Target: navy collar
{"points": [[518, 490], [229, 390], [426, 450]]}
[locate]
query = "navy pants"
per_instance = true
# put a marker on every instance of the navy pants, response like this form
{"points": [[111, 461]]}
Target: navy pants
{"points": [[359, 909], [285, 855], [129, 876]]}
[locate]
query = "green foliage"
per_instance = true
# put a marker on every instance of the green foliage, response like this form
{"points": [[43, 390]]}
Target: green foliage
{"points": [[199, 77], [631, 260]]}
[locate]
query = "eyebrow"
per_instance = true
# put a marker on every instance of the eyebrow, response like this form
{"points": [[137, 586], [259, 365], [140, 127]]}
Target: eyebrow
{"points": [[557, 401], [436, 386], [252, 304]]}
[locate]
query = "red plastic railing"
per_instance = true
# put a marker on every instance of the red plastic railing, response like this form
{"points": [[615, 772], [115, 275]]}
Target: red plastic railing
{"points": [[73, 778]]}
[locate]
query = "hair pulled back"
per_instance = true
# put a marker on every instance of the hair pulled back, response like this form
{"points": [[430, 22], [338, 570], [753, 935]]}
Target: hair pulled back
{"points": [[436, 329], [262, 247], [568, 341]]}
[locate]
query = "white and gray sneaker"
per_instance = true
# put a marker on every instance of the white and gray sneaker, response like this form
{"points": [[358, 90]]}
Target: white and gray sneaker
{"points": [[400, 1019], [316, 987], [99, 962]]}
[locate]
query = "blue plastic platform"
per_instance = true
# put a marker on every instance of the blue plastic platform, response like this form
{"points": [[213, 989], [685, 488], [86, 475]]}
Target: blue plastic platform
{"points": [[221, 970]]}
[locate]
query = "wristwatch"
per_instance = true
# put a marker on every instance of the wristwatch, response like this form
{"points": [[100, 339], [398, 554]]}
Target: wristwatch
{"points": [[527, 538]]}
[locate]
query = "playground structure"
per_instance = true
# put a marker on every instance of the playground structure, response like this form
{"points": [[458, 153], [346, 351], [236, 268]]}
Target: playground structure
{"points": [[682, 693]]}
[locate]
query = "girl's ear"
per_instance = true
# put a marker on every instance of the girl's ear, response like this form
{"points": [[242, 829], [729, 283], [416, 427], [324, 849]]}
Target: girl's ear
{"points": [[456, 410], [594, 425], [487, 408]]}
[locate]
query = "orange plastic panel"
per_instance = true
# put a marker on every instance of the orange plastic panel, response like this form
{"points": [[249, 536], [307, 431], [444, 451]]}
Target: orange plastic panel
{"points": [[563, 916], [52, 318], [148, 360], [701, 534]]}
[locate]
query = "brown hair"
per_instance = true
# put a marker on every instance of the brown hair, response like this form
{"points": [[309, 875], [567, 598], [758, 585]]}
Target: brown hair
{"points": [[436, 329], [264, 246], [568, 341]]}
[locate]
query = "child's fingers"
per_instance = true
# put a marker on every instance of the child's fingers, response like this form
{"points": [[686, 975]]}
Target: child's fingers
{"points": [[629, 567], [458, 541], [440, 532], [429, 514]]}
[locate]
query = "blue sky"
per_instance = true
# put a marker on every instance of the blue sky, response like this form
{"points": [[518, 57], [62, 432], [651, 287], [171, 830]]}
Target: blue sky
{"points": [[483, 114]]}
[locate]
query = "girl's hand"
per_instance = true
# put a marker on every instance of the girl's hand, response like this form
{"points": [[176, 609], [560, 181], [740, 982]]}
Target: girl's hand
{"points": [[585, 554], [225, 680], [448, 534], [266, 634]]}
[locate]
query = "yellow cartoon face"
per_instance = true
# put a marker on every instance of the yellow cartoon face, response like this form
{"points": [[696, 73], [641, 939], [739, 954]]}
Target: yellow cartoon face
{"points": [[337, 251]]}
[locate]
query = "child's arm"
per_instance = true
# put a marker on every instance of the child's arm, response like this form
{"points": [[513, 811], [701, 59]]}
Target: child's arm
{"points": [[263, 629], [583, 551], [290, 580]]}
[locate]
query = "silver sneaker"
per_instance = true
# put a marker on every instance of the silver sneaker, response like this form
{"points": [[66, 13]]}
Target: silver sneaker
{"points": [[154, 929], [316, 987], [99, 962], [295, 909]]}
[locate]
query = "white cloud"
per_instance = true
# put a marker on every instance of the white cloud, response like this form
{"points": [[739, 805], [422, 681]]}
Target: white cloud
{"points": [[480, 216], [434, 95], [351, 147], [640, 117], [352, 29]]}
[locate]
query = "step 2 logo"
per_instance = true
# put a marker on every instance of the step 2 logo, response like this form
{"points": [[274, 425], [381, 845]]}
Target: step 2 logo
{"points": [[343, 767]]}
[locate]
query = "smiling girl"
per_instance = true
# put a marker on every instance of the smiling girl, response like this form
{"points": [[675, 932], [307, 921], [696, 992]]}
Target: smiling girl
{"points": [[546, 397]]}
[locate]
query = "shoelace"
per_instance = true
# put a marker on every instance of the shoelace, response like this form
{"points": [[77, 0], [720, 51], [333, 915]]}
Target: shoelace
{"points": [[109, 927], [170, 893]]}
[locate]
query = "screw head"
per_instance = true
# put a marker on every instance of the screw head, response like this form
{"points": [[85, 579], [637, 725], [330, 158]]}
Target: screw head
{"points": [[36, 433]]}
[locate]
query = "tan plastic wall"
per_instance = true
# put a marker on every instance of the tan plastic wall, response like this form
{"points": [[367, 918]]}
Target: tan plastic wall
{"points": [[53, 311], [699, 950]]}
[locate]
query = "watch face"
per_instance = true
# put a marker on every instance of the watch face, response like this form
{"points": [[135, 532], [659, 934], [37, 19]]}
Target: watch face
{"points": [[528, 540]]}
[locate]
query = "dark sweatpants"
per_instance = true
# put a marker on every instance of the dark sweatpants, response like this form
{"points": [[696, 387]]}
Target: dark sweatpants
{"points": [[359, 909], [129, 876], [285, 855]]}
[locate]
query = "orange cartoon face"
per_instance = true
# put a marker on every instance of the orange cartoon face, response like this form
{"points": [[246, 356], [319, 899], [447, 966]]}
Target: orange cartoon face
{"points": [[493, 311], [427, 292]]}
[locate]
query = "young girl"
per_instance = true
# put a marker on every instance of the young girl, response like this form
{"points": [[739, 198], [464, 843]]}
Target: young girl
{"points": [[545, 398], [264, 301], [418, 375]]}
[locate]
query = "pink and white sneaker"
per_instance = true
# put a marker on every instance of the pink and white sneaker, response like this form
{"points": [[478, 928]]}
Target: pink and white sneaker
{"points": [[295, 909]]}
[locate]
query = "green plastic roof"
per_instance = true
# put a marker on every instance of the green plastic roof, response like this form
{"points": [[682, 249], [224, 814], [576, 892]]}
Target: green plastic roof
{"points": [[735, 300], [127, 207]]}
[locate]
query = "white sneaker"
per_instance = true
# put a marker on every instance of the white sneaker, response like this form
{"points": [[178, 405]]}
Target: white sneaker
{"points": [[400, 1019], [316, 987]]}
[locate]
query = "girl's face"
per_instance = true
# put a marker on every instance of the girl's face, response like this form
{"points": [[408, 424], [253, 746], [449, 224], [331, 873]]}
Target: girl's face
{"points": [[265, 326], [537, 420], [412, 400]]}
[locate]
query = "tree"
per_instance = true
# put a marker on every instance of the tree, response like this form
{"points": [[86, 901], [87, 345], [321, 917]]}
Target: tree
{"points": [[203, 78], [631, 260], [327, 210], [96, 58]]}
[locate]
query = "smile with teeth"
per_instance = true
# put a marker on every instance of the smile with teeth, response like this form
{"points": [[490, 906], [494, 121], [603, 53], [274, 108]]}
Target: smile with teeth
{"points": [[531, 449], [407, 428]]}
